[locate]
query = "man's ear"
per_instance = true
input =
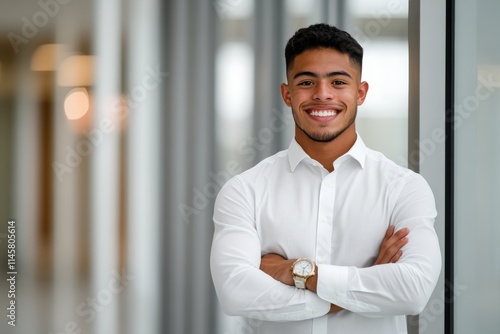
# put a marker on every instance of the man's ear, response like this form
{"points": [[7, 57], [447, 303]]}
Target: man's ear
{"points": [[362, 91], [285, 94]]}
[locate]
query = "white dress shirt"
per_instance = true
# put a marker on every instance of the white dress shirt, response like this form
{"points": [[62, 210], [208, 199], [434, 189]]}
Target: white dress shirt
{"points": [[291, 205]]}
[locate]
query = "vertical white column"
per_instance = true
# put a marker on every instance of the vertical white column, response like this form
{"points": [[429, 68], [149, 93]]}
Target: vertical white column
{"points": [[67, 197], [105, 168], [27, 195], [145, 86], [65, 207]]}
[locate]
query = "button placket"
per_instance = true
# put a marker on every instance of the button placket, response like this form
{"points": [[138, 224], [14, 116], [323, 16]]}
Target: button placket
{"points": [[325, 218]]}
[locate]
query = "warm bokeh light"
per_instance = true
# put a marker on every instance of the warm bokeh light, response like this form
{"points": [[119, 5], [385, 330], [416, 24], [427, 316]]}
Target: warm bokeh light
{"points": [[44, 57], [76, 71], [77, 103]]}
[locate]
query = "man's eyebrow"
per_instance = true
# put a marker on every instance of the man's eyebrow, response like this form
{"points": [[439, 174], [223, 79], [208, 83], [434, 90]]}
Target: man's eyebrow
{"points": [[328, 75]]}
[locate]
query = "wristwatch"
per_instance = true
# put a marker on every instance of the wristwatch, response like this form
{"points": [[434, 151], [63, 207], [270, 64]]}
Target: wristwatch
{"points": [[302, 269]]}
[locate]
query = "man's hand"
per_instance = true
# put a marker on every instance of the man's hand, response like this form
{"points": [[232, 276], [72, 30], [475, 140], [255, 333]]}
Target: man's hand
{"points": [[390, 249], [278, 268]]}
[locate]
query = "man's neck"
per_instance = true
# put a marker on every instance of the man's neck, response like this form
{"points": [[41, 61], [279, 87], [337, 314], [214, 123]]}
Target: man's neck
{"points": [[326, 153]]}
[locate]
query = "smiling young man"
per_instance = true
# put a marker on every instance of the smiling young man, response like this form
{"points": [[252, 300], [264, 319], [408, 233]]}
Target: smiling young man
{"points": [[324, 92], [313, 239]]}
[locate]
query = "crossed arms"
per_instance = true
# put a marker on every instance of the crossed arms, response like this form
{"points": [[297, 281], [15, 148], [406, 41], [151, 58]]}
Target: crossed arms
{"points": [[279, 268], [257, 285]]}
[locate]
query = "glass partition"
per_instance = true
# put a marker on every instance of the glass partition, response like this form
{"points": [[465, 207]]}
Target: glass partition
{"points": [[381, 27], [477, 185]]}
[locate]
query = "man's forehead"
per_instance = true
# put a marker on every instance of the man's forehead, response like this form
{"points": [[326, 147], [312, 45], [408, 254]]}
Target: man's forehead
{"points": [[323, 62]]}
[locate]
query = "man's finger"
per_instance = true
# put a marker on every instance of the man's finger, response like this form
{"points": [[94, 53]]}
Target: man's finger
{"points": [[390, 250]]}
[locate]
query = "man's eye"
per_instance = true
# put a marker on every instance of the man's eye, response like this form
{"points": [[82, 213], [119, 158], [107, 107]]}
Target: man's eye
{"points": [[338, 82], [305, 83]]}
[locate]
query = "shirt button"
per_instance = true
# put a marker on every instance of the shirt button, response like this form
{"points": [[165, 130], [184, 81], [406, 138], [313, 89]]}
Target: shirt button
{"points": [[324, 220], [329, 185]]}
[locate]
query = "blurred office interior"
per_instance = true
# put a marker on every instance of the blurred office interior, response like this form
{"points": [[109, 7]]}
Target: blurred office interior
{"points": [[121, 119]]}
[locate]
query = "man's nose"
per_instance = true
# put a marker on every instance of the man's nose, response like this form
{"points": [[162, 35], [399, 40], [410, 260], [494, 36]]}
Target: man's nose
{"points": [[323, 91]]}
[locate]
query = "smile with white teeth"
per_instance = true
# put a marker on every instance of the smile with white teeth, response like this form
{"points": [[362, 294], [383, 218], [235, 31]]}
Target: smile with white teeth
{"points": [[323, 113]]}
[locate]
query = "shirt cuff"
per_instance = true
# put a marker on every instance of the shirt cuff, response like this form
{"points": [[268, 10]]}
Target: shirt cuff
{"points": [[332, 283], [315, 306], [332, 287]]}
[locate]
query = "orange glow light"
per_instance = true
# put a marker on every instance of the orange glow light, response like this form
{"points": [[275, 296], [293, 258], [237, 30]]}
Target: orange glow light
{"points": [[77, 103]]}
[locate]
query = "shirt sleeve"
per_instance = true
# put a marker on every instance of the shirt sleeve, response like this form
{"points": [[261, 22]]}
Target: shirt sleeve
{"points": [[400, 288], [242, 288]]}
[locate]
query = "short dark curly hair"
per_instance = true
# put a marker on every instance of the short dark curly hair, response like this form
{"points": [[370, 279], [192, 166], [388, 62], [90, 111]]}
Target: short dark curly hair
{"points": [[322, 35]]}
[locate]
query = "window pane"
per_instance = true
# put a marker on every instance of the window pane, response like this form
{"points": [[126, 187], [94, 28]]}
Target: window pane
{"points": [[477, 183], [381, 28]]}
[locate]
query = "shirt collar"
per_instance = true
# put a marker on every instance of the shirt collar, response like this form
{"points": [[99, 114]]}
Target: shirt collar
{"points": [[296, 154], [358, 151]]}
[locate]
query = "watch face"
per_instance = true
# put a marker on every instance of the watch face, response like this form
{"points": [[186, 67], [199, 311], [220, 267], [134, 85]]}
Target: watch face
{"points": [[303, 268]]}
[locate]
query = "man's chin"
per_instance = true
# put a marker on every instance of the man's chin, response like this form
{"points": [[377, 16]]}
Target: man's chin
{"points": [[322, 137]]}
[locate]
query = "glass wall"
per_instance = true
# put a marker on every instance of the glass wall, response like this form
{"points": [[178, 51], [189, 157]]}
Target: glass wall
{"points": [[477, 184], [381, 27]]}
